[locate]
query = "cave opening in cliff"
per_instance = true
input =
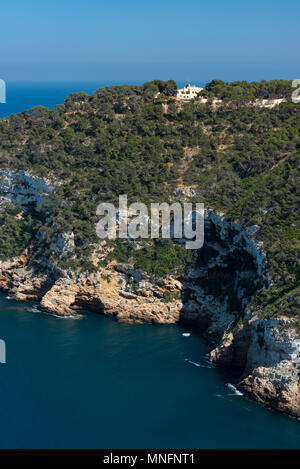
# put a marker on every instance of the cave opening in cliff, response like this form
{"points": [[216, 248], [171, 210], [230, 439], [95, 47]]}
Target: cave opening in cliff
{"points": [[227, 273], [84, 302]]}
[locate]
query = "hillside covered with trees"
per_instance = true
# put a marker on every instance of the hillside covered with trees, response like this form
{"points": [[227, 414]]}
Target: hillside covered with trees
{"points": [[138, 140]]}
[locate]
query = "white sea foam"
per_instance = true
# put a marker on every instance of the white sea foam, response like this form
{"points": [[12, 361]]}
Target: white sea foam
{"points": [[8, 298], [65, 317], [36, 309], [235, 391], [198, 364], [186, 334], [194, 363]]}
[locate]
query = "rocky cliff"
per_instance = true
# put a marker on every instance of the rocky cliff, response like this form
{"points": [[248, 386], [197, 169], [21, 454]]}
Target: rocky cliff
{"points": [[24, 189], [241, 289], [267, 352], [216, 298]]}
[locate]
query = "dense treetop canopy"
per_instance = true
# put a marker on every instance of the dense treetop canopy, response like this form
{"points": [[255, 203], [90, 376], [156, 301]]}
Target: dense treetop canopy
{"points": [[240, 159]]}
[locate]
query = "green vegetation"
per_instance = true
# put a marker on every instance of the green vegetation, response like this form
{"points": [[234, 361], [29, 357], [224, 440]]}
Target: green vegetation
{"points": [[243, 92], [169, 296], [162, 258], [138, 140], [16, 231]]}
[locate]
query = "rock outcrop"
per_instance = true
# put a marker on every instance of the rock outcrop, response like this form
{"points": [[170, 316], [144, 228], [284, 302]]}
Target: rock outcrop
{"points": [[275, 386], [22, 283], [266, 351], [24, 189], [114, 293]]}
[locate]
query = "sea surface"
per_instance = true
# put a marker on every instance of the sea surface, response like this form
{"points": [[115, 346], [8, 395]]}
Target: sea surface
{"points": [[96, 383], [24, 95]]}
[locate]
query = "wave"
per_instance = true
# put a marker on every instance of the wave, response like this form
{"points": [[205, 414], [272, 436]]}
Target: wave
{"points": [[71, 316], [34, 309], [236, 392], [194, 363], [208, 365]]}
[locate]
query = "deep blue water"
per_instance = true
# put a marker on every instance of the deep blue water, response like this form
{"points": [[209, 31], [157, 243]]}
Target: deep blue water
{"points": [[25, 95], [93, 382]]}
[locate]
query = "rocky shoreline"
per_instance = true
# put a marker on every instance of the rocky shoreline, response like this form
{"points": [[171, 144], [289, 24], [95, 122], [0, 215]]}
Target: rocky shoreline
{"points": [[241, 290], [266, 351]]}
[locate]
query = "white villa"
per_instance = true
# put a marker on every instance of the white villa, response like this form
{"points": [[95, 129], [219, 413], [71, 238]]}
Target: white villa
{"points": [[188, 92]]}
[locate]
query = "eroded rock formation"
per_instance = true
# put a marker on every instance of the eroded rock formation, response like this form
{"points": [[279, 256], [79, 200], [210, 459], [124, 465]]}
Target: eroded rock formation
{"points": [[215, 296]]}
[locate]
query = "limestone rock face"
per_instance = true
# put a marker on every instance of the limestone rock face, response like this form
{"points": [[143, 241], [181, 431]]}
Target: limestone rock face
{"points": [[108, 293], [23, 188], [272, 341], [276, 387], [121, 291], [22, 284], [266, 351], [207, 312], [272, 365], [26, 285], [232, 349]]}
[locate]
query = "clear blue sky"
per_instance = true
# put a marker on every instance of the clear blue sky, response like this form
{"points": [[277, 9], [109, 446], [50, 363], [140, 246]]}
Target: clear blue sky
{"points": [[136, 40]]}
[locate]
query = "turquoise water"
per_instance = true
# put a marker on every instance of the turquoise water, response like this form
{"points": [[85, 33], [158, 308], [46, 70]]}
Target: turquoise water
{"points": [[93, 382]]}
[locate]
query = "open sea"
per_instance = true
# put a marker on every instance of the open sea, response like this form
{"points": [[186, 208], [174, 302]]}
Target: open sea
{"points": [[25, 95], [96, 383]]}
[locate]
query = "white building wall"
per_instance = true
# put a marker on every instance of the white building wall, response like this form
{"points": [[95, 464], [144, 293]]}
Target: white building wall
{"points": [[188, 92]]}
